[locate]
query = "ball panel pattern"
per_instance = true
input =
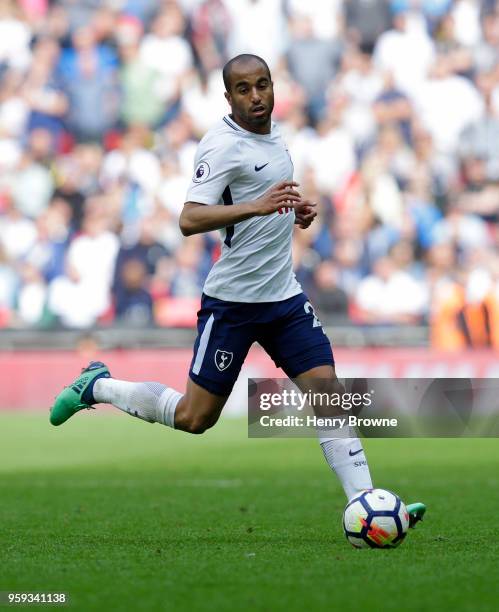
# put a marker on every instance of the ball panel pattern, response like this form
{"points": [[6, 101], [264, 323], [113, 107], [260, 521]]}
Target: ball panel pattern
{"points": [[375, 519]]}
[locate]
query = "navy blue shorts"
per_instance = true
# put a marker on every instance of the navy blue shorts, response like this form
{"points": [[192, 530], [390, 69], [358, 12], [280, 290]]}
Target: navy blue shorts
{"points": [[289, 331]]}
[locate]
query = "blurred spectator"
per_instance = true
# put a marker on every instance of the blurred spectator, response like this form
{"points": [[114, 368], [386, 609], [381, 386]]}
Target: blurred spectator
{"points": [[144, 249], [32, 296], [141, 95], [390, 295], [55, 25], [325, 17], [479, 196], [403, 255], [312, 62], [379, 237], [465, 308], [133, 302], [45, 101], [68, 301], [366, 21], [329, 298], [103, 23], [89, 78], [79, 12], [332, 157], [480, 138], [486, 51], [300, 139], [135, 167], [68, 191], [176, 140], [442, 118], [406, 51], [210, 24], [393, 107], [203, 100], [88, 347], [421, 209], [186, 281], [361, 82], [15, 36], [386, 170], [465, 231], [347, 255], [166, 52], [466, 16], [17, 233], [89, 270], [13, 110], [447, 43], [32, 184], [257, 26], [53, 234], [437, 171], [173, 188]]}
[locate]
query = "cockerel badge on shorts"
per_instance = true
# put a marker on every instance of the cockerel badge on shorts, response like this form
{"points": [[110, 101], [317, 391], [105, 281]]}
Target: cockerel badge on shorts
{"points": [[223, 359]]}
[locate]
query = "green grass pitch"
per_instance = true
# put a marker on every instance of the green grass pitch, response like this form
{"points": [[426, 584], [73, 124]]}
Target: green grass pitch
{"points": [[121, 515]]}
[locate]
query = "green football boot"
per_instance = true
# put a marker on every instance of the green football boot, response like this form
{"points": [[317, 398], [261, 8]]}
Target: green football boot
{"points": [[78, 395], [416, 512]]}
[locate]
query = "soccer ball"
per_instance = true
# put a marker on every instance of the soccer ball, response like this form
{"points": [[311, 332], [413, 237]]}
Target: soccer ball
{"points": [[375, 519]]}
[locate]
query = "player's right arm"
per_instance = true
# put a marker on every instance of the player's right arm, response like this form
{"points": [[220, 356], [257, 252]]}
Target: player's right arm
{"points": [[199, 217], [219, 162]]}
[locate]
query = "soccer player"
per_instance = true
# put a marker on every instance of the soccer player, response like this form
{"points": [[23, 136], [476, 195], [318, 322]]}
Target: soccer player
{"points": [[243, 186]]}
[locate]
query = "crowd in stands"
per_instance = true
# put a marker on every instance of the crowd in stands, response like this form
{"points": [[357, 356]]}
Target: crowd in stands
{"points": [[390, 110]]}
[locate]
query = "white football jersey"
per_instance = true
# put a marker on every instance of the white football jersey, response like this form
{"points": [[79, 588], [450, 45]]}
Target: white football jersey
{"points": [[233, 166]]}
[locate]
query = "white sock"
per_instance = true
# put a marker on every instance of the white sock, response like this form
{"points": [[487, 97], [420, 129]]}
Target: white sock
{"points": [[350, 465], [149, 401]]}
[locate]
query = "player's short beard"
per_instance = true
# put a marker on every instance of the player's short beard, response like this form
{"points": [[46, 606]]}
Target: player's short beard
{"points": [[258, 121]]}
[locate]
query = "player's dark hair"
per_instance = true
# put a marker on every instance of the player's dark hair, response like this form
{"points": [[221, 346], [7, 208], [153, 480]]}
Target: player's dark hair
{"points": [[244, 58]]}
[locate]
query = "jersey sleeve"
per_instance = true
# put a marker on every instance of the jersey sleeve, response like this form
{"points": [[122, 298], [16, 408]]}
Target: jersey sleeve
{"points": [[216, 164]]}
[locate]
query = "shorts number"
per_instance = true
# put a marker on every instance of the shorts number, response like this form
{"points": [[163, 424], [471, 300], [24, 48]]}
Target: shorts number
{"points": [[309, 309]]}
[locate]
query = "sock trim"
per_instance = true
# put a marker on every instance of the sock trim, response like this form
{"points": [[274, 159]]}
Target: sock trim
{"points": [[88, 394]]}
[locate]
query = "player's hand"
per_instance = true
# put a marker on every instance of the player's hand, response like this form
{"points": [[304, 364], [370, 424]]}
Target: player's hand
{"points": [[304, 213], [276, 197]]}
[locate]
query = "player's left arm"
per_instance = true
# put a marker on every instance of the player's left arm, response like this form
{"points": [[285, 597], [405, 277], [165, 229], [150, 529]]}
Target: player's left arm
{"points": [[304, 213]]}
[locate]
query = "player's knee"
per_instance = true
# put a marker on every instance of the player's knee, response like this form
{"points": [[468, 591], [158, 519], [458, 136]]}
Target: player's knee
{"points": [[337, 387], [331, 386], [196, 423], [200, 425]]}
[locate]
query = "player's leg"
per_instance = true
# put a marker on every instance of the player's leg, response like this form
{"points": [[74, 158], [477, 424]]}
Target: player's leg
{"points": [[297, 343], [195, 411], [220, 349], [198, 410], [342, 447]]}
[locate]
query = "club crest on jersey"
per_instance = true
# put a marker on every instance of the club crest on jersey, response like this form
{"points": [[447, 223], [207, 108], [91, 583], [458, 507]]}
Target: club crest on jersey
{"points": [[202, 172], [223, 359]]}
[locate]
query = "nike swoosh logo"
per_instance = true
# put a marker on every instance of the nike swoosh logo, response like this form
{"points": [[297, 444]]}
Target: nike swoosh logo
{"points": [[355, 452], [258, 168]]}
